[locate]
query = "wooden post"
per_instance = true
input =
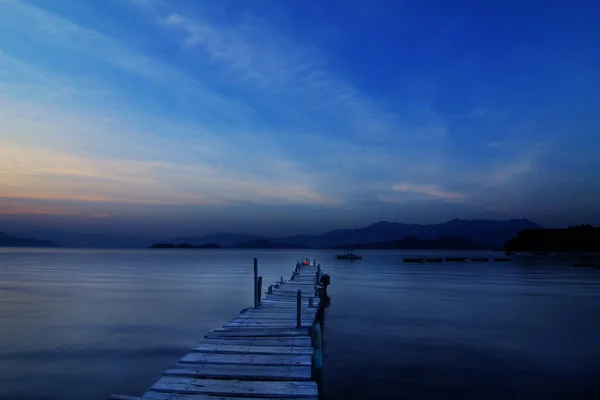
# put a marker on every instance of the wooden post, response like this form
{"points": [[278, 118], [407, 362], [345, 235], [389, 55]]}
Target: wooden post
{"points": [[281, 279], [299, 308], [259, 290], [311, 302], [255, 282], [270, 289]]}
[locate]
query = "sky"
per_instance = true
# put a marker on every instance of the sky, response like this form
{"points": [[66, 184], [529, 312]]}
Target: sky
{"points": [[283, 117]]}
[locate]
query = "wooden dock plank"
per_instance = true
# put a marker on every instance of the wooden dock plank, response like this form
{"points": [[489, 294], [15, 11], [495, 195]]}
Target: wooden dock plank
{"points": [[256, 359], [175, 396], [259, 354], [278, 319], [241, 371], [231, 348], [216, 387], [266, 313], [274, 332], [262, 341], [292, 293], [246, 335], [275, 318], [267, 323]]}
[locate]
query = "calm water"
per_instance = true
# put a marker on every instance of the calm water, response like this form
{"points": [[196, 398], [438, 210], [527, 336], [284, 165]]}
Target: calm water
{"points": [[82, 324]]}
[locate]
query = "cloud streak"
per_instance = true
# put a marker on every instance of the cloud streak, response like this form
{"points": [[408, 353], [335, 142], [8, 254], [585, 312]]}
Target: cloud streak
{"points": [[428, 190], [271, 63], [217, 107]]}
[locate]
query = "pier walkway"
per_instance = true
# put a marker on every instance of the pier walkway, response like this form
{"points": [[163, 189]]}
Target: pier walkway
{"points": [[272, 350]]}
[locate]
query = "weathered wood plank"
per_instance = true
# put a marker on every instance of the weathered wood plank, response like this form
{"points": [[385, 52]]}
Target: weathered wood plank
{"points": [[305, 292], [275, 318], [274, 305], [262, 341], [273, 322], [263, 331], [252, 334], [296, 285], [258, 354], [267, 314], [267, 324], [225, 349], [284, 295], [287, 296], [283, 301], [175, 396], [241, 371], [278, 320], [256, 359], [294, 389]]}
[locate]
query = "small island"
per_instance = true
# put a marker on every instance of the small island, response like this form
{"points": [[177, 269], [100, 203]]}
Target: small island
{"points": [[185, 246]]}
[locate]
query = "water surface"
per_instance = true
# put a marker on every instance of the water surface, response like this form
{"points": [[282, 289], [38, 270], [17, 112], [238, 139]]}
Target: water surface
{"points": [[82, 324]]}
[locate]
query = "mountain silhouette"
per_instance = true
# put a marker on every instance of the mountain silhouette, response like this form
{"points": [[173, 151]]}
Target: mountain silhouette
{"points": [[413, 242], [267, 244], [494, 233], [7, 240], [489, 232], [185, 246]]}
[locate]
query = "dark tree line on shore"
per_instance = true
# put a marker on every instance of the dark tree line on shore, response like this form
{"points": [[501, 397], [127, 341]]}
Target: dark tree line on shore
{"points": [[580, 238]]}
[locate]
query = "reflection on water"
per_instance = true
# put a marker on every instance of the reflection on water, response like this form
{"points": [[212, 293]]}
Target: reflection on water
{"points": [[81, 324]]}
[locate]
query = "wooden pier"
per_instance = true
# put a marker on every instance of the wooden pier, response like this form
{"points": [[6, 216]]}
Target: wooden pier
{"points": [[270, 351]]}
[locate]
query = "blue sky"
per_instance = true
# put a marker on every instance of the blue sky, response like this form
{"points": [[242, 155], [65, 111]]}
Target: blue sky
{"points": [[295, 116]]}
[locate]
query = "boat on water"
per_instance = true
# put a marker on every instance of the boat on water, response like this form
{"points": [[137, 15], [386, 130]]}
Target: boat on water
{"points": [[456, 259], [479, 259], [348, 256], [434, 260]]}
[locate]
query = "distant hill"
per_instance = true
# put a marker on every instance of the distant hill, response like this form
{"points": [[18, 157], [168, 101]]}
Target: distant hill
{"points": [[222, 239], [266, 244], [494, 233], [185, 246], [95, 240], [583, 238], [414, 243], [7, 240]]}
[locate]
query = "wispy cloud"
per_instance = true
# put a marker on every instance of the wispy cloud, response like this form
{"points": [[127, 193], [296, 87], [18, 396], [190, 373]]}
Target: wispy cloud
{"points": [[274, 64], [232, 110], [50, 29], [520, 164], [69, 171], [156, 184]]}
